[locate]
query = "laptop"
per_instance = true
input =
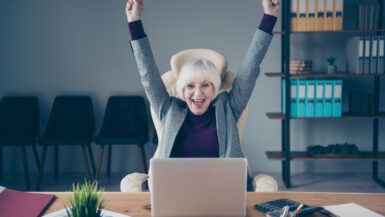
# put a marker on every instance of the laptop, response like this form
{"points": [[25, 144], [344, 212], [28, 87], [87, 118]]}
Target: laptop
{"points": [[198, 187]]}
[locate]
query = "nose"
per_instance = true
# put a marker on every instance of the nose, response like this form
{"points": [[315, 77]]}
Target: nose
{"points": [[197, 91]]}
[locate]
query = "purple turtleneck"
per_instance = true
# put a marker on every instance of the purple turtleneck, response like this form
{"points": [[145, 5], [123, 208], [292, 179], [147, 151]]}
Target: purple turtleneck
{"points": [[198, 135]]}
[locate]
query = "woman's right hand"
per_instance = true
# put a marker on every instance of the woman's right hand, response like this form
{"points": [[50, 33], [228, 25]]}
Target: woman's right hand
{"points": [[134, 10]]}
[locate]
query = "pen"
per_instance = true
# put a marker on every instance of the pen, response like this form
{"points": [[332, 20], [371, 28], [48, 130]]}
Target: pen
{"points": [[296, 211], [285, 211]]}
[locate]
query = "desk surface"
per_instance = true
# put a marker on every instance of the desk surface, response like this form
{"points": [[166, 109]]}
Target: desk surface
{"points": [[135, 204]]}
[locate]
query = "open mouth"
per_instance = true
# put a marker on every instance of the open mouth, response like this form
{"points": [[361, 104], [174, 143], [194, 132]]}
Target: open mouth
{"points": [[197, 102]]}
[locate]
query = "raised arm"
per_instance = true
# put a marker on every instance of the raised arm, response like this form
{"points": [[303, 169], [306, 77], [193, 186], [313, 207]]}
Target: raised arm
{"points": [[246, 77], [151, 80]]}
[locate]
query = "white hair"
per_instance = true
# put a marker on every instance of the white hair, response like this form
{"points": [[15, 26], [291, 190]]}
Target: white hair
{"points": [[198, 70]]}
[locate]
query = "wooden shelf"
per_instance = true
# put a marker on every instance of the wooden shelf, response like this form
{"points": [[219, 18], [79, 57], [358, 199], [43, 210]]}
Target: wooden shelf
{"points": [[321, 75], [304, 156], [356, 31], [345, 115]]}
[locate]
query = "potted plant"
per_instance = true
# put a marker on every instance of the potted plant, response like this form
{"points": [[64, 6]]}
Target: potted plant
{"points": [[331, 68], [87, 201]]}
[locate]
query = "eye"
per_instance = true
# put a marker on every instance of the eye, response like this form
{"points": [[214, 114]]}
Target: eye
{"points": [[190, 86], [205, 85]]}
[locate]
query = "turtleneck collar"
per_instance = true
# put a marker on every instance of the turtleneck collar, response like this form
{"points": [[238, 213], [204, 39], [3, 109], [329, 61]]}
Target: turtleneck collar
{"points": [[208, 113]]}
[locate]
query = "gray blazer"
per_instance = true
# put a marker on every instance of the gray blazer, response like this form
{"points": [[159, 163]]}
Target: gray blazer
{"points": [[229, 106]]}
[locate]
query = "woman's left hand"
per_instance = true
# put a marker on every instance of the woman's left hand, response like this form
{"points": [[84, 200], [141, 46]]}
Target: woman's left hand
{"points": [[271, 7]]}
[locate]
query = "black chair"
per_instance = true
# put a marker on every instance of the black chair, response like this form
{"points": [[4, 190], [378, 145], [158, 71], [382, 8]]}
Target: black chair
{"points": [[125, 122], [19, 126], [71, 122]]}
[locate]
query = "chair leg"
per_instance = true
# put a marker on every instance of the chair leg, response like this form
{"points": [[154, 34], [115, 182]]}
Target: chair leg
{"points": [[56, 161], [91, 158], [109, 161], [143, 157], [1, 161], [39, 176], [100, 157], [86, 162], [26, 174], [36, 155]]}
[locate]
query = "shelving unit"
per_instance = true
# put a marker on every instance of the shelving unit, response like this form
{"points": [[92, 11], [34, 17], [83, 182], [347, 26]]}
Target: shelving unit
{"points": [[323, 75], [305, 156], [345, 115], [286, 155], [333, 32]]}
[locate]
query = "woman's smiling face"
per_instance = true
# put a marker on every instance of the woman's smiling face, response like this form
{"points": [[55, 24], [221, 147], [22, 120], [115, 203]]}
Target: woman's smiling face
{"points": [[198, 96]]}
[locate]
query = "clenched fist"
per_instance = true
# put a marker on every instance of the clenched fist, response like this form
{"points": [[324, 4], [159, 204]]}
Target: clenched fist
{"points": [[271, 7], [134, 9]]}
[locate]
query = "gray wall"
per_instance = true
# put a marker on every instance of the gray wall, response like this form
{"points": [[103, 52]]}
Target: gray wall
{"points": [[49, 48]]}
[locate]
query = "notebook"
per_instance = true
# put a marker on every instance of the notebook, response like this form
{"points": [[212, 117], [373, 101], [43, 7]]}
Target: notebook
{"points": [[17, 203]]}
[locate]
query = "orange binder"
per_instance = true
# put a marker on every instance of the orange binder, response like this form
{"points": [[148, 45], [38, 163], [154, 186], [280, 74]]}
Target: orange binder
{"points": [[338, 20], [329, 17], [311, 10], [320, 16], [302, 15], [294, 15]]}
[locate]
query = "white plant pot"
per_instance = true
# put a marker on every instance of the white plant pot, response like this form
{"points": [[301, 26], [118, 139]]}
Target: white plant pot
{"points": [[332, 69]]}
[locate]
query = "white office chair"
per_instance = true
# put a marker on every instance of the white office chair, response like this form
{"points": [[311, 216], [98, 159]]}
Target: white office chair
{"points": [[169, 79]]}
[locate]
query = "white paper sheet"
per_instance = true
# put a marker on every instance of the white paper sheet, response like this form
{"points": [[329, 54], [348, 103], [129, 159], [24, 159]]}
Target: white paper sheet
{"points": [[351, 210]]}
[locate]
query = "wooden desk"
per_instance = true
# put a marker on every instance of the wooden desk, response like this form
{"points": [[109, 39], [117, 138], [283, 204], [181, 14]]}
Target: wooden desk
{"points": [[134, 204]]}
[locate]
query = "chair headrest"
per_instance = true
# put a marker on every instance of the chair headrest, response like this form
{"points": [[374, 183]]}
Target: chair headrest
{"points": [[180, 58]]}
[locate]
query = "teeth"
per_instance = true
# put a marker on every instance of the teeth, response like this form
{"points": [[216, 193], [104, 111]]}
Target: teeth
{"points": [[198, 100]]}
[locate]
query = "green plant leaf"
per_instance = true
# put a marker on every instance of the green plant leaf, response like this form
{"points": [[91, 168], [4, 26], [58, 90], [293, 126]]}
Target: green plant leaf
{"points": [[86, 202]]}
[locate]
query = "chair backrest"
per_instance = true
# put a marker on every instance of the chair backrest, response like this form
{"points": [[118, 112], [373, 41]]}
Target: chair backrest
{"points": [[126, 115], [19, 115], [71, 115], [170, 77]]}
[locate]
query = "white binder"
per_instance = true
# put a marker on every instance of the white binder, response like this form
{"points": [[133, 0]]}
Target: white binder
{"points": [[380, 60], [355, 54], [373, 62], [367, 54]]}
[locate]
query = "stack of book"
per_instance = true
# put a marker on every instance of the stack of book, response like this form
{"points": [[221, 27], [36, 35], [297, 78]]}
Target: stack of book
{"points": [[369, 17], [300, 66], [314, 98], [361, 103], [316, 15]]}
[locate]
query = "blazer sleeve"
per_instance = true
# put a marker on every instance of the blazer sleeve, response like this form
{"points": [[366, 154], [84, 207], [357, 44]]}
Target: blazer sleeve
{"points": [[154, 87], [246, 77]]}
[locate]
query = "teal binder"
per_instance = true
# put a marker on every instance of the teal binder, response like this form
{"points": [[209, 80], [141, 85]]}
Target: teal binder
{"points": [[283, 96], [294, 98], [310, 98], [319, 99], [302, 98], [337, 98], [328, 105]]}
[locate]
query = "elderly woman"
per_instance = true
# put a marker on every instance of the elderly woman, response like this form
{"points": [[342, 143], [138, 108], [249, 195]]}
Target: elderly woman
{"points": [[204, 123]]}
